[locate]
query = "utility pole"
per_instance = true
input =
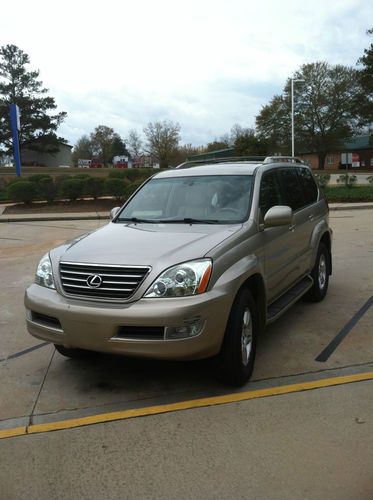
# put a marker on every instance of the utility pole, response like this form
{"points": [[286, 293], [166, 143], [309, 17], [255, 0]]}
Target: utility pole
{"points": [[292, 113]]}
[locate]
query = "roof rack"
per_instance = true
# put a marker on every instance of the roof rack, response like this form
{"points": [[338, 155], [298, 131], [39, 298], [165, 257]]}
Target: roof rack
{"points": [[244, 159], [229, 159]]}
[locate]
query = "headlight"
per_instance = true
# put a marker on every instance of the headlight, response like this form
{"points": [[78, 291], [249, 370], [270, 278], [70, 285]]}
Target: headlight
{"points": [[189, 278], [44, 274]]}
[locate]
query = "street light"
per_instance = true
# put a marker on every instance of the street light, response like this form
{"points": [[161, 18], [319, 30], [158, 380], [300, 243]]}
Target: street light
{"points": [[296, 80]]}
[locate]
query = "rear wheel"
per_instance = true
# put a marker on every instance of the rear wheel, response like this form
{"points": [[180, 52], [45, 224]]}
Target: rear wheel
{"points": [[320, 275], [237, 355], [72, 353]]}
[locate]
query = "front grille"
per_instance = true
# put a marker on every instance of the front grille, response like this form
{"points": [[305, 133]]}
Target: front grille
{"points": [[141, 332], [117, 282]]}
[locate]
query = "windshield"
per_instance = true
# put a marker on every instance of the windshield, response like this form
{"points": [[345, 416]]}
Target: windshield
{"points": [[213, 199]]}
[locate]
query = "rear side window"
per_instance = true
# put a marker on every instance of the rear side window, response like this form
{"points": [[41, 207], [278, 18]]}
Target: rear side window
{"points": [[292, 189], [308, 184], [270, 192]]}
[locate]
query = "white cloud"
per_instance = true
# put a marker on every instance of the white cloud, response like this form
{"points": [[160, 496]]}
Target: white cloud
{"points": [[206, 64]]}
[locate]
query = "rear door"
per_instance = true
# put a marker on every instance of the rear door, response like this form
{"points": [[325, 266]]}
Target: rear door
{"points": [[300, 195], [281, 245]]}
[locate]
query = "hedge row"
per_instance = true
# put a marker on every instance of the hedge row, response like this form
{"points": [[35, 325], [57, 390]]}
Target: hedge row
{"points": [[44, 187]]}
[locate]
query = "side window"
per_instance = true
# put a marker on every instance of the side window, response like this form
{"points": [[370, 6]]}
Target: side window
{"points": [[270, 192], [308, 184], [292, 189]]}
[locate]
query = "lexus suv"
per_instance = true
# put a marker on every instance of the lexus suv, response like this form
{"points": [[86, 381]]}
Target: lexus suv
{"points": [[194, 265]]}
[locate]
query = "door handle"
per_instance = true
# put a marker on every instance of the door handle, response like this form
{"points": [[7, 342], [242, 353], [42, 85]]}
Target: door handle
{"points": [[311, 217], [292, 227]]}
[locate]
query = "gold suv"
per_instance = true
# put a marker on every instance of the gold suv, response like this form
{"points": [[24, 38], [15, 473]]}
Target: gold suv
{"points": [[194, 265]]}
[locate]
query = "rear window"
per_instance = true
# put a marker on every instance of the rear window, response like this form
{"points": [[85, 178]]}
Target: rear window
{"points": [[308, 184]]}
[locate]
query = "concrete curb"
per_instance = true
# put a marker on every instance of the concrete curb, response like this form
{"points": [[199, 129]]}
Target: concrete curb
{"points": [[43, 218]]}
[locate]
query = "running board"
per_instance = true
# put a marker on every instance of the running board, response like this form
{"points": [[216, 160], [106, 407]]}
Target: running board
{"points": [[277, 308]]}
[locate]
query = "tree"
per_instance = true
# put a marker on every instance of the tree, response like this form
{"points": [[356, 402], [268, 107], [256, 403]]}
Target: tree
{"points": [[134, 143], [22, 87], [247, 143], [102, 139], [163, 138], [82, 149], [326, 108], [118, 147], [183, 152], [366, 79], [217, 144]]}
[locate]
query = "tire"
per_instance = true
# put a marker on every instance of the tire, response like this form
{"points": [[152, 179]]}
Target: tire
{"points": [[235, 362], [72, 353], [320, 275]]}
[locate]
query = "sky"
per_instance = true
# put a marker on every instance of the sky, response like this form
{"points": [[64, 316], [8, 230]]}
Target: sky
{"points": [[206, 64]]}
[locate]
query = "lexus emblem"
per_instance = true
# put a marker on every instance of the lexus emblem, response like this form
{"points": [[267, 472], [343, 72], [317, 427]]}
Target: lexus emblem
{"points": [[94, 281]]}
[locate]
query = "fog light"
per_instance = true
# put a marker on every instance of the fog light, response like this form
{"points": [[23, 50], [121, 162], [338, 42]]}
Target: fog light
{"points": [[191, 328]]}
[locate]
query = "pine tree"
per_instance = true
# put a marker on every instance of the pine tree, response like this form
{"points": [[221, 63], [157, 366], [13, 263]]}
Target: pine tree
{"points": [[23, 87]]}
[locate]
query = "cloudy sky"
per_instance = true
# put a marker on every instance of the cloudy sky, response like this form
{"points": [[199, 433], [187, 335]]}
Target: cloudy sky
{"points": [[206, 64]]}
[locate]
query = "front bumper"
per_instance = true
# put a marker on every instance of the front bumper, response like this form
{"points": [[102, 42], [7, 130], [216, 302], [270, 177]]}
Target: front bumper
{"points": [[94, 326]]}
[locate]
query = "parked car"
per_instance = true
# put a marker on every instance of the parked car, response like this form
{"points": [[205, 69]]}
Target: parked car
{"points": [[194, 265]]}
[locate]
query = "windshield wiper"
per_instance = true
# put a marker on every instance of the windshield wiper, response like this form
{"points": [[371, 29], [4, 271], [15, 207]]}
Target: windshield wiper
{"points": [[189, 220]]}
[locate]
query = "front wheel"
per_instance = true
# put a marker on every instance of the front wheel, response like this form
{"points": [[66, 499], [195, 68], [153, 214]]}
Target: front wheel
{"points": [[320, 275], [237, 355]]}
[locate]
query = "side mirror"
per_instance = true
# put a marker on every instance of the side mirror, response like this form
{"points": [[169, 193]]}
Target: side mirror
{"points": [[278, 216], [113, 212]]}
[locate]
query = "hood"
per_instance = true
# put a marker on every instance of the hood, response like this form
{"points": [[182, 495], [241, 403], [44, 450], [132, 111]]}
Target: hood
{"points": [[156, 245]]}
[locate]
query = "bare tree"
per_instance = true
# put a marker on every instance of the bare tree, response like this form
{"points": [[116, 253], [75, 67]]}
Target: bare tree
{"points": [[162, 140], [134, 143]]}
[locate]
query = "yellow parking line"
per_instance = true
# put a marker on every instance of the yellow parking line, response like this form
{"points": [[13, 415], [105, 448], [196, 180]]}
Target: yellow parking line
{"points": [[184, 405], [16, 431]]}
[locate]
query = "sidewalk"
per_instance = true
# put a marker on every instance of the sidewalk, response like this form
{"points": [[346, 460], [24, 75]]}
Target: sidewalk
{"points": [[106, 215]]}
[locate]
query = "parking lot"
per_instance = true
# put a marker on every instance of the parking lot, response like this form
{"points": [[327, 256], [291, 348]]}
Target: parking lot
{"points": [[309, 344]]}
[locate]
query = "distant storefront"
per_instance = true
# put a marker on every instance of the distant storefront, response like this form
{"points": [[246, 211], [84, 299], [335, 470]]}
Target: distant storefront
{"points": [[355, 154]]}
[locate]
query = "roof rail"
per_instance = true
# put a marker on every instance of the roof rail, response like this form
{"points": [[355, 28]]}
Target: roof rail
{"points": [[245, 159], [229, 159]]}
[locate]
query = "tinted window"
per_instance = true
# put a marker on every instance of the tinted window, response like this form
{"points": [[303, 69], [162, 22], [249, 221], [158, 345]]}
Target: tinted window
{"points": [[270, 192], [308, 184], [292, 189]]}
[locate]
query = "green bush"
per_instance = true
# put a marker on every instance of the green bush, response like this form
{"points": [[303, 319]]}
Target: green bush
{"points": [[82, 176], [94, 186], [72, 188], [370, 179], [38, 177], [347, 179], [15, 179], [131, 188], [117, 174], [24, 191], [323, 179], [132, 173], [116, 187], [48, 189], [63, 177]]}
